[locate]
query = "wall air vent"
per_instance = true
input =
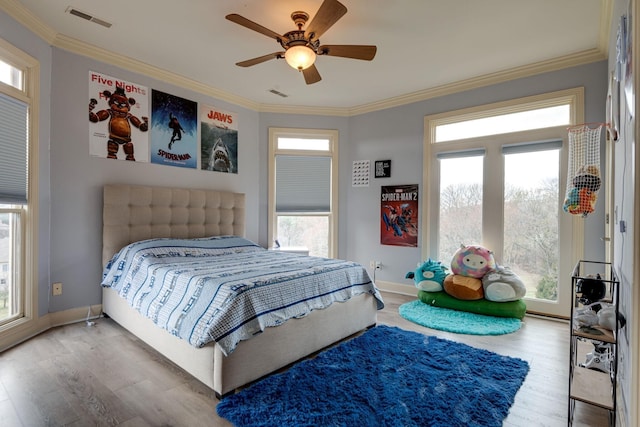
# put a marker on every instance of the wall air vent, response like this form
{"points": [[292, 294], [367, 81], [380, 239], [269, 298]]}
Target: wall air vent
{"points": [[88, 17], [276, 92]]}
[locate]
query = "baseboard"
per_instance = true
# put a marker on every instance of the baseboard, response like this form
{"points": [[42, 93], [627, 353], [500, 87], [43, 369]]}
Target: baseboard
{"points": [[22, 330], [74, 315], [397, 288], [29, 328]]}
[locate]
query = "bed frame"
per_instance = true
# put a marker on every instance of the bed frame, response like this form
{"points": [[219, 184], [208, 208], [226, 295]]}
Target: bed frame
{"points": [[134, 212]]}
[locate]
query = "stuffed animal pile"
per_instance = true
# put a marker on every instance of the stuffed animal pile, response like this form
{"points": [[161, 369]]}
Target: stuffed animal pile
{"points": [[474, 275]]}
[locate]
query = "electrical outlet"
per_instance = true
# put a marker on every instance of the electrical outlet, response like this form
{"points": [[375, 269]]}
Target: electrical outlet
{"points": [[56, 289], [378, 265], [372, 264]]}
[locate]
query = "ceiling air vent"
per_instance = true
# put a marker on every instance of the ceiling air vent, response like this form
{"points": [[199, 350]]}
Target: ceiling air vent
{"points": [[276, 92], [88, 17]]}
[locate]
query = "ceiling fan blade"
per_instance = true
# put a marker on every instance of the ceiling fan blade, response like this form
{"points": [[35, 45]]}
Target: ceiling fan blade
{"points": [[328, 14], [353, 51], [260, 59], [311, 75], [241, 20]]}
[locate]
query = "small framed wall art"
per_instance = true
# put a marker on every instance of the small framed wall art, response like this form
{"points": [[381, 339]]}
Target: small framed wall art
{"points": [[360, 174], [383, 168]]}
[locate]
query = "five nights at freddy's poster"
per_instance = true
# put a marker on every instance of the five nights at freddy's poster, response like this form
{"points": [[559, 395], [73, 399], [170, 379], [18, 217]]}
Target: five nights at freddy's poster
{"points": [[118, 118], [399, 215], [174, 130]]}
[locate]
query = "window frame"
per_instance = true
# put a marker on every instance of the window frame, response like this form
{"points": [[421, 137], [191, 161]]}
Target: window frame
{"points": [[332, 152], [28, 274], [493, 143]]}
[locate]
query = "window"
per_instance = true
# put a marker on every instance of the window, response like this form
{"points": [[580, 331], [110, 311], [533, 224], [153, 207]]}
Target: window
{"points": [[19, 75], [505, 123], [302, 193], [494, 176], [460, 201], [11, 75]]}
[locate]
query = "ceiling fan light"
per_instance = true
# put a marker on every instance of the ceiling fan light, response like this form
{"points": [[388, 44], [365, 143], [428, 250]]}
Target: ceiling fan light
{"points": [[300, 57]]}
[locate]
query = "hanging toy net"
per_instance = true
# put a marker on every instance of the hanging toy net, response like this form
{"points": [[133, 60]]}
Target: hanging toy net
{"points": [[583, 173]]}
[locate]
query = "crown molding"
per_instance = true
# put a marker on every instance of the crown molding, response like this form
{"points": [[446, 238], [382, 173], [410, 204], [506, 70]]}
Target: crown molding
{"points": [[580, 58], [24, 16], [568, 61], [28, 19], [606, 20], [85, 49], [305, 109], [131, 64]]}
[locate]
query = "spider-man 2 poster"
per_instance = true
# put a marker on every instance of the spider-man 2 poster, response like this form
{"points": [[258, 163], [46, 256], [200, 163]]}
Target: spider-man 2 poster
{"points": [[399, 215]]}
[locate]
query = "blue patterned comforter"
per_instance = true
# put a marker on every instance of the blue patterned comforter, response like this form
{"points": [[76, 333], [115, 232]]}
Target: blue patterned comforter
{"points": [[227, 289]]}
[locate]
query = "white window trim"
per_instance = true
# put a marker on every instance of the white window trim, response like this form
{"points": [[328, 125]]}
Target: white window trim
{"points": [[573, 96], [30, 95], [332, 135], [430, 175]]}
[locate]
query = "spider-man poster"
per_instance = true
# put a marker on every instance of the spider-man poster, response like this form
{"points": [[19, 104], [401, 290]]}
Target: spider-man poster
{"points": [[399, 215], [174, 130]]}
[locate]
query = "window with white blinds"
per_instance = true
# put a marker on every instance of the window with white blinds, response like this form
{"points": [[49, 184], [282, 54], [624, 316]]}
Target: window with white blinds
{"points": [[13, 146], [303, 183], [303, 172], [19, 77]]}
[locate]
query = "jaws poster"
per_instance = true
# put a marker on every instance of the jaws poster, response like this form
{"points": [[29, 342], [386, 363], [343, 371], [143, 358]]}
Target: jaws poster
{"points": [[174, 130], [399, 215], [218, 140], [118, 118]]}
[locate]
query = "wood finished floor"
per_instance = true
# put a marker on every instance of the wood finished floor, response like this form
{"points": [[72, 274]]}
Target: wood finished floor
{"points": [[102, 375]]}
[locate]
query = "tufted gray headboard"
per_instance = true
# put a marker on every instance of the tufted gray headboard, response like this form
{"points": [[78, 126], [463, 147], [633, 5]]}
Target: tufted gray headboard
{"points": [[135, 212]]}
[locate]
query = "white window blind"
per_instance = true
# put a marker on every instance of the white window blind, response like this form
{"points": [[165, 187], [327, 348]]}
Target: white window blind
{"points": [[530, 147], [303, 183], [13, 150], [460, 154]]}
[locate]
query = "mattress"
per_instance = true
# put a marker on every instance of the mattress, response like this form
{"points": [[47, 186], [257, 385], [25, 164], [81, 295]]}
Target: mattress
{"points": [[226, 289]]}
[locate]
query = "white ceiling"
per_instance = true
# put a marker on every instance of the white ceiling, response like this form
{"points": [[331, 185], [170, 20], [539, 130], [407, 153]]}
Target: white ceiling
{"points": [[423, 45]]}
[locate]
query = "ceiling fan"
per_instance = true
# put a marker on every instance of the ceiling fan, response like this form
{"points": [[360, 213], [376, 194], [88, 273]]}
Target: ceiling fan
{"points": [[302, 46]]}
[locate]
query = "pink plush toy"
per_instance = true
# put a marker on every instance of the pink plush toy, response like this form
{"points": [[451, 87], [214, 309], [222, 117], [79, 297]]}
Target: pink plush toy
{"points": [[472, 261]]}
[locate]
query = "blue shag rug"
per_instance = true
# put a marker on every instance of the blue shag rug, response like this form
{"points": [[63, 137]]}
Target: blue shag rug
{"points": [[385, 377], [459, 322]]}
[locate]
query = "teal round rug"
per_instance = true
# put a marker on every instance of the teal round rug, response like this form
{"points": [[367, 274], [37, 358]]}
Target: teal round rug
{"points": [[459, 322]]}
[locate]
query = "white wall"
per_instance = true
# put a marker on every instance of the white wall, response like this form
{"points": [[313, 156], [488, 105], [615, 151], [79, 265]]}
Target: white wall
{"points": [[625, 242]]}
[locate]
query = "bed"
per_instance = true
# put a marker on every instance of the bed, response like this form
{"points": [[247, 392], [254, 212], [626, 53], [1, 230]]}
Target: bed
{"points": [[135, 215]]}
